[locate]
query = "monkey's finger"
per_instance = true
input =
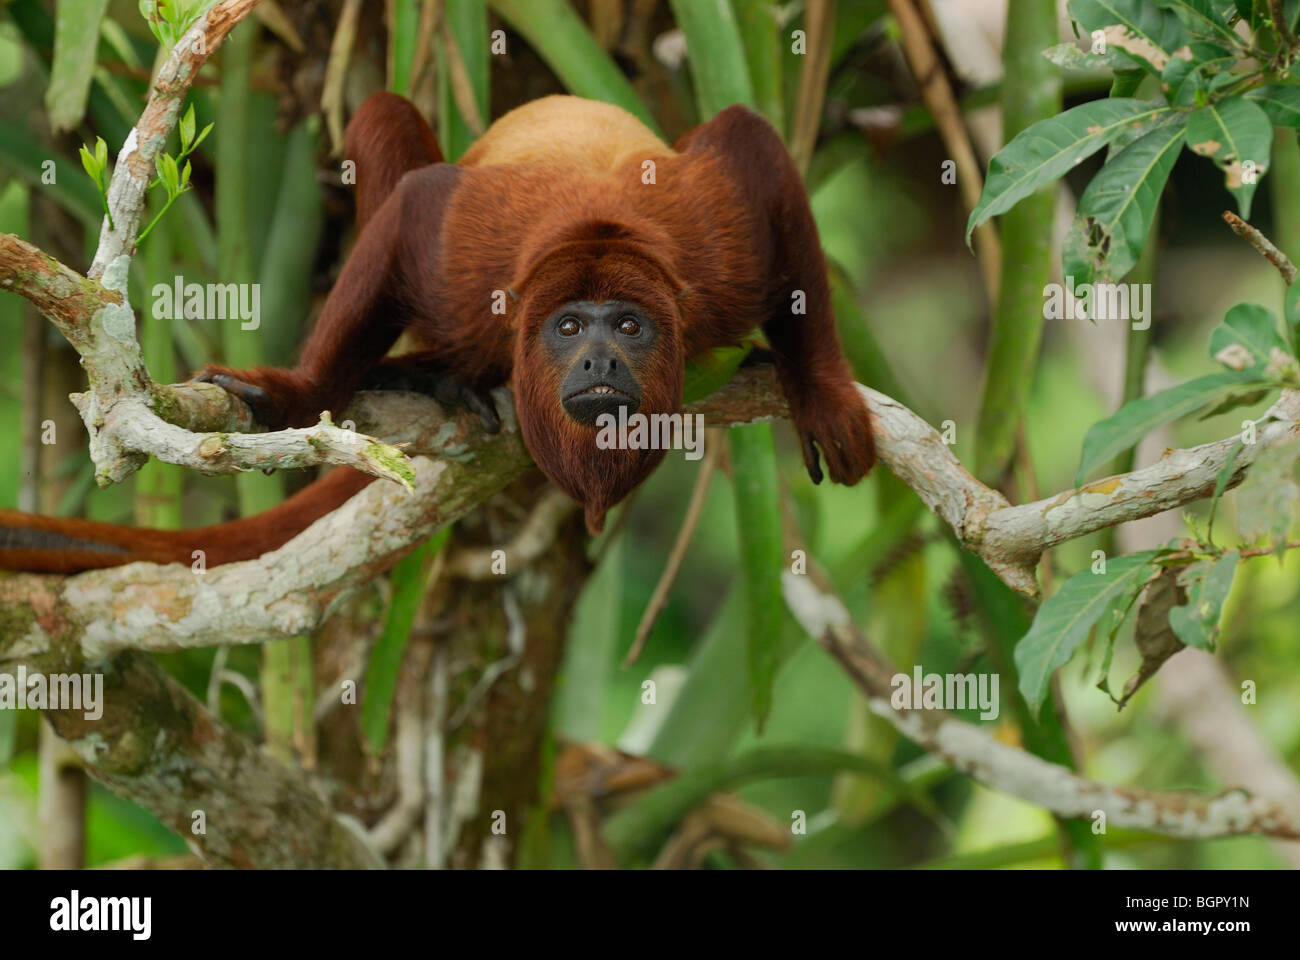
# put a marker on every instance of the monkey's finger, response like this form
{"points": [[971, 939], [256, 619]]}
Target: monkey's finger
{"points": [[811, 460], [485, 408], [247, 392]]}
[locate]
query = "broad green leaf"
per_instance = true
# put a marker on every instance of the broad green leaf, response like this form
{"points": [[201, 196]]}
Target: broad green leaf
{"points": [[758, 522], [1146, 33], [1068, 56], [409, 579], [1116, 210], [1207, 583], [1053, 147], [715, 53], [559, 36], [1234, 133], [709, 371], [1252, 327], [1064, 619], [1205, 18], [1266, 499], [76, 37], [1133, 421], [1280, 103]]}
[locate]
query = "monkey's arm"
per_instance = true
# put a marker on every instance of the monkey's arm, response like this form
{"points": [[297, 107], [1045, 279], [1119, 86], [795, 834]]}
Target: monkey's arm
{"points": [[380, 290], [827, 409]]}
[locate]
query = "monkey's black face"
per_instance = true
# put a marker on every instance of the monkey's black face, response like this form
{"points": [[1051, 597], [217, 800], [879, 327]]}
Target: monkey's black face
{"points": [[603, 347]]}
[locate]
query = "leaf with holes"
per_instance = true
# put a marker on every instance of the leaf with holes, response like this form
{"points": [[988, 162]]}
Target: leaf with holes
{"points": [[1207, 583], [1053, 147], [1237, 136], [1146, 33], [1247, 329], [1116, 210]]}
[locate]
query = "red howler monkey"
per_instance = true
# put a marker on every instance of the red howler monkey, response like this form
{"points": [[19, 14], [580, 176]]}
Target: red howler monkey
{"points": [[571, 253]]}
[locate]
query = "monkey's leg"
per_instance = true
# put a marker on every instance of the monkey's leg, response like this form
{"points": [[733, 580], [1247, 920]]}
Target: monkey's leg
{"points": [[827, 409], [383, 287]]}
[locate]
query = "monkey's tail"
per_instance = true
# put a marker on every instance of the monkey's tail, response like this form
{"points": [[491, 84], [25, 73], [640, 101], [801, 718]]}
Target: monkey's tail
{"points": [[52, 545]]}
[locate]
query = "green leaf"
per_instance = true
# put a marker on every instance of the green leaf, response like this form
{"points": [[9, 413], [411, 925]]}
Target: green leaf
{"points": [[709, 371], [1232, 133], [203, 134], [1252, 327], [1116, 210], [166, 165], [1133, 421], [1064, 619], [1280, 103], [716, 55], [185, 175], [1144, 32], [758, 522], [560, 38], [1053, 147], [90, 164], [1221, 482], [1207, 18], [640, 829], [187, 128], [1207, 583], [409, 579], [101, 159], [76, 37], [1293, 316], [1068, 56]]}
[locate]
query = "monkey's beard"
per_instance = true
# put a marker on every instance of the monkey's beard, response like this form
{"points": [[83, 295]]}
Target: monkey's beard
{"points": [[567, 452]]}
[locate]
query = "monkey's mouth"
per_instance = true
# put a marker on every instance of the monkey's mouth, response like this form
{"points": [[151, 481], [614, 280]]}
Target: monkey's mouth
{"points": [[602, 390], [587, 405]]}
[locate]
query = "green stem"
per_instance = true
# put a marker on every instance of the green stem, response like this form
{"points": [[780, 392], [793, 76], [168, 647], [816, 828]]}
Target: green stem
{"points": [[1031, 91]]}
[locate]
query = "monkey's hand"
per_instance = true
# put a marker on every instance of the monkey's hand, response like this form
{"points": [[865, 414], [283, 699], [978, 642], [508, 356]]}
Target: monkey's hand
{"points": [[265, 390], [833, 417], [419, 374]]}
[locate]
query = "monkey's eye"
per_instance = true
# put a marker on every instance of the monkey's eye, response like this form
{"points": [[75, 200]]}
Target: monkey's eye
{"points": [[629, 327], [569, 327]]}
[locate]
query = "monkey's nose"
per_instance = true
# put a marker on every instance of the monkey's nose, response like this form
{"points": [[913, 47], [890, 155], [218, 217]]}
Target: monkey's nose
{"points": [[600, 365]]}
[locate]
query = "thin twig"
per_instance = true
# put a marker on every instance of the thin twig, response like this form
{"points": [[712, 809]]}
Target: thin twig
{"points": [[694, 511], [1263, 244], [937, 93]]}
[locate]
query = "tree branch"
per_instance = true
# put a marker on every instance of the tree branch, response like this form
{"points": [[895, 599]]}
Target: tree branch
{"points": [[157, 745], [1013, 771]]}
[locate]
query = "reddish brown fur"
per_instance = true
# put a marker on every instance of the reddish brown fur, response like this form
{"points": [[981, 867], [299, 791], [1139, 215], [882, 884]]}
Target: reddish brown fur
{"points": [[721, 239]]}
